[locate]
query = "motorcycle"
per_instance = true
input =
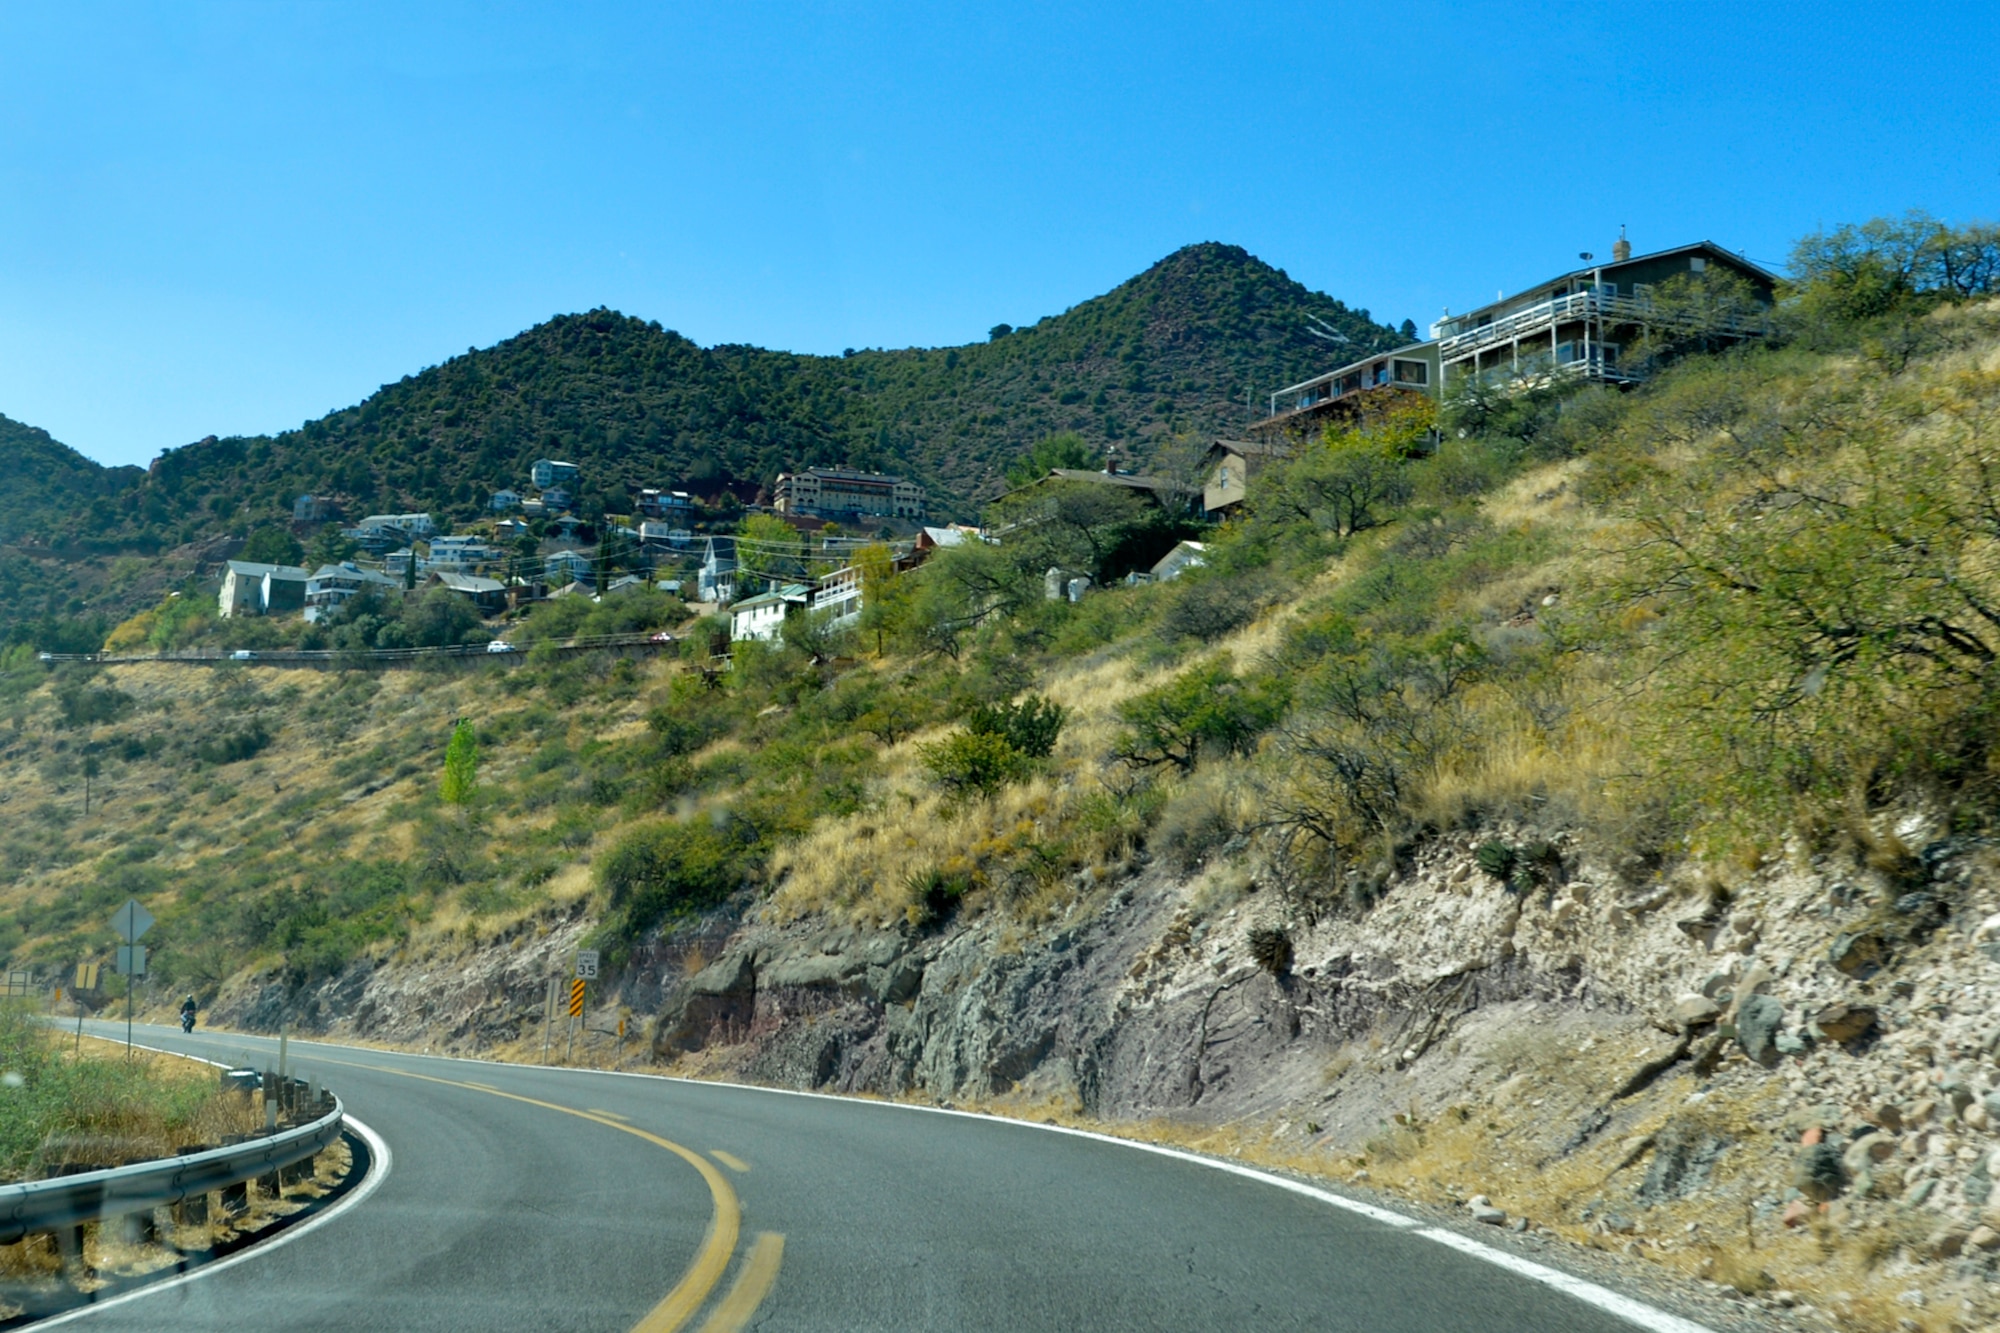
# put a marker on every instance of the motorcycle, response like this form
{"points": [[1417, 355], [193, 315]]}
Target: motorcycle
{"points": [[187, 1020]]}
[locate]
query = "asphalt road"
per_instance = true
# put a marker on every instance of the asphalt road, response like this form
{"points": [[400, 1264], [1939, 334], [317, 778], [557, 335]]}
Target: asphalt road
{"points": [[527, 1198]]}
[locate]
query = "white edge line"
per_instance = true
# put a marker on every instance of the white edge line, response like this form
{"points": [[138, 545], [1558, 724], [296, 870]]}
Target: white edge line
{"points": [[1645, 1316], [378, 1170], [1603, 1298]]}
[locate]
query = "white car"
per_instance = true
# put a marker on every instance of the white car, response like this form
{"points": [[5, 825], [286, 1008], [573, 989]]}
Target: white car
{"points": [[243, 655], [499, 646]]}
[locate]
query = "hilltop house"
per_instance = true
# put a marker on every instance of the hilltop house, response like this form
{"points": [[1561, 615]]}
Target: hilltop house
{"points": [[568, 566], [461, 553], [332, 586], [488, 595], [845, 494], [504, 500], [556, 499], [396, 564], [664, 537], [315, 509], [1168, 494], [763, 617], [838, 597], [1231, 464], [251, 589], [1578, 324], [1342, 393], [672, 505], [549, 474], [381, 532]]}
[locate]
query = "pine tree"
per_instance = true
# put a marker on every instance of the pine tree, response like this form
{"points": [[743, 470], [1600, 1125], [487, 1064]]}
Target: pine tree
{"points": [[461, 765]]}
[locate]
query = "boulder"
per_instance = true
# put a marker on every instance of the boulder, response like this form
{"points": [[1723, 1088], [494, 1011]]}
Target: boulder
{"points": [[1866, 1151], [1984, 1238], [1845, 1022], [1758, 1018], [1944, 1243], [1859, 953], [1696, 1011]]}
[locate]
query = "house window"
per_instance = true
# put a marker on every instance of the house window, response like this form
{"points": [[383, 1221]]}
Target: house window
{"points": [[1382, 373], [1697, 265], [1413, 372]]}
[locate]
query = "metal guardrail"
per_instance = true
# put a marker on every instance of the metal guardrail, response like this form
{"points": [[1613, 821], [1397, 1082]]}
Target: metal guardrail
{"points": [[38, 1206]]}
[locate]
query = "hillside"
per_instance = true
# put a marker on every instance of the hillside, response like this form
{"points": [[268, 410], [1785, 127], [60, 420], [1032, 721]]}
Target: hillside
{"points": [[1177, 350], [1594, 815]]}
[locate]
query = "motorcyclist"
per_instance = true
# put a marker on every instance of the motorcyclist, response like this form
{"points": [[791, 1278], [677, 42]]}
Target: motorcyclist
{"points": [[187, 1014]]}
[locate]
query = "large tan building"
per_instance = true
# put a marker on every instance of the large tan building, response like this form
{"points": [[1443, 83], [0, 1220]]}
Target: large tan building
{"points": [[833, 492]]}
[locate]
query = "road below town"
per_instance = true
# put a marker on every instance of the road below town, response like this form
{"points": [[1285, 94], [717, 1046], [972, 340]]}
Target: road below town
{"points": [[530, 1198]]}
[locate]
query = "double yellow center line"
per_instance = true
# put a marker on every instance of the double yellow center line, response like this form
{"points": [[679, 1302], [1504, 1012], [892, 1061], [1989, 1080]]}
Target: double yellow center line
{"points": [[760, 1267]]}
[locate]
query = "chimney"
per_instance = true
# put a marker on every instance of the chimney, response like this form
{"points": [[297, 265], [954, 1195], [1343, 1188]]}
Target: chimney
{"points": [[1621, 249]]}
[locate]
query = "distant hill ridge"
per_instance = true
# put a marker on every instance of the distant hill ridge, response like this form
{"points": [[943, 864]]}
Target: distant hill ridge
{"points": [[1187, 346]]}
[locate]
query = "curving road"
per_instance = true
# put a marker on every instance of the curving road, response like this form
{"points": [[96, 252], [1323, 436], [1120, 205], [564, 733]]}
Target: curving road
{"points": [[531, 1198]]}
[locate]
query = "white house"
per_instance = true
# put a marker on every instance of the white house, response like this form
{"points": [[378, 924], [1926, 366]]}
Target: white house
{"points": [[568, 566], [333, 586], [503, 500], [838, 597], [1185, 556], [461, 553], [251, 589], [550, 472], [763, 617]]}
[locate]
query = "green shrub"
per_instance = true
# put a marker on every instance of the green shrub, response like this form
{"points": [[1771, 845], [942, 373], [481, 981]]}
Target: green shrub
{"points": [[1206, 708], [1030, 727], [969, 763], [671, 868], [233, 746]]}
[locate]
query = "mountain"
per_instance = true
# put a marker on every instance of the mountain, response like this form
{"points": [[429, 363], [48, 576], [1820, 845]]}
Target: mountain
{"points": [[1188, 347]]}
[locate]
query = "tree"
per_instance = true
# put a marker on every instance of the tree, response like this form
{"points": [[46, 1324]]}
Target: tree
{"points": [[441, 618], [768, 547], [1066, 449], [1863, 272], [1697, 312], [1206, 708], [1347, 484], [1030, 727], [972, 763], [330, 546], [461, 765], [272, 545]]}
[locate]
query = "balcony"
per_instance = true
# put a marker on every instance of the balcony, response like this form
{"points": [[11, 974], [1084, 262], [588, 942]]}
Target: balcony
{"points": [[1576, 306]]}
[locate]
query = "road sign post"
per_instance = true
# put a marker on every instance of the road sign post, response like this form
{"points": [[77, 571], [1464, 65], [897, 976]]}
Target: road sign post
{"points": [[131, 921], [548, 1016], [86, 979], [576, 986]]}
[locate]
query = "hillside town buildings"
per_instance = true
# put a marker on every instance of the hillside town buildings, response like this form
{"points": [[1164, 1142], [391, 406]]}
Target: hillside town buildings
{"points": [[843, 494]]}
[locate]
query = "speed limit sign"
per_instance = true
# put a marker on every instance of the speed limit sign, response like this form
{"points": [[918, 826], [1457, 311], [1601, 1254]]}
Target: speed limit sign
{"points": [[586, 964]]}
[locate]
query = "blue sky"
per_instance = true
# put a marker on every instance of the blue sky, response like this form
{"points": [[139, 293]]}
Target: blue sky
{"points": [[230, 218]]}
